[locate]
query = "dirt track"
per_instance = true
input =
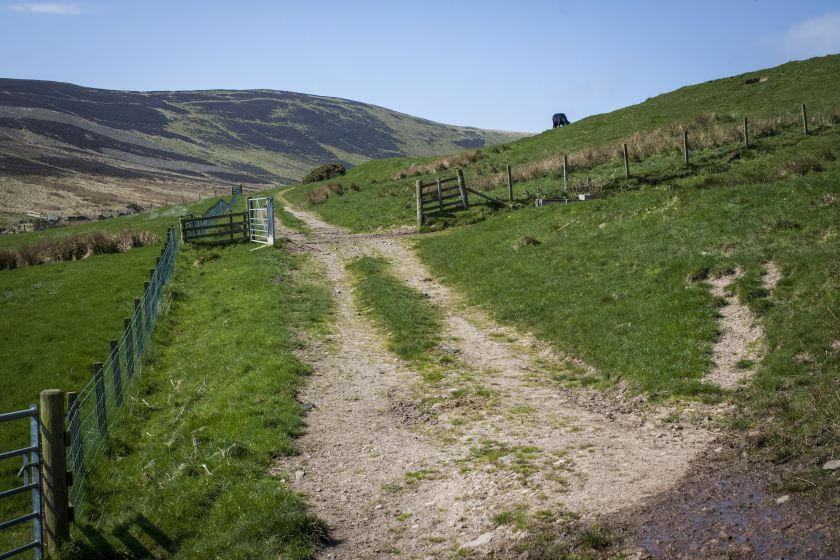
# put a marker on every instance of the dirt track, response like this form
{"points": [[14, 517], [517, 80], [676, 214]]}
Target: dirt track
{"points": [[395, 477]]}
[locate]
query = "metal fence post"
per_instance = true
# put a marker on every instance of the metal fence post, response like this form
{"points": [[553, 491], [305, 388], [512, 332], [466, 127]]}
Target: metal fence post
{"points": [[35, 478], [54, 470], [101, 406]]}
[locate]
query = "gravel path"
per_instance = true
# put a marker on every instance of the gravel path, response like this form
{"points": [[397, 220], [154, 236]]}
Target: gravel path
{"points": [[396, 476]]}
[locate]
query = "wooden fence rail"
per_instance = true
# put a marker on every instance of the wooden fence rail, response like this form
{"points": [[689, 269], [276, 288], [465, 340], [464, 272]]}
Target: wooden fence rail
{"points": [[225, 228]]}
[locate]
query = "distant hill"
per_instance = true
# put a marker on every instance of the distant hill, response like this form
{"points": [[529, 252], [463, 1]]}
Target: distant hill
{"points": [[66, 148]]}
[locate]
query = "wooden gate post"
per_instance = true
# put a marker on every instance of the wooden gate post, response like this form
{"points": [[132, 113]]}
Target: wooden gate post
{"points": [[462, 186], [419, 197], [510, 184], [685, 146], [54, 471]]}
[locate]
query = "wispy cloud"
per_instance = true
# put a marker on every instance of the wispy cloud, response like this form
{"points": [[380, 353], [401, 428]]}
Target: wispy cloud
{"points": [[51, 8], [812, 37]]}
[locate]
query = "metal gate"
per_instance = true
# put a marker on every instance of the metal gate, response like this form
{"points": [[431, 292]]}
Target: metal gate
{"points": [[31, 475], [261, 220]]}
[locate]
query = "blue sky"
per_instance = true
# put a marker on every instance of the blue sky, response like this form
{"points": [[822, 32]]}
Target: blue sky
{"points": [[494, 64]]}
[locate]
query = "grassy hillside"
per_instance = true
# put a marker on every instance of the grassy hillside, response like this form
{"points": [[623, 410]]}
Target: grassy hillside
{"points": [[62, 316], [217, 407], [619, 281], [385, 196], [67, 149]]}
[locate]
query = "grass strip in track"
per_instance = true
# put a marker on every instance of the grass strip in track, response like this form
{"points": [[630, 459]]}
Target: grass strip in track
{"points": [[186, 474], [411, 322]]}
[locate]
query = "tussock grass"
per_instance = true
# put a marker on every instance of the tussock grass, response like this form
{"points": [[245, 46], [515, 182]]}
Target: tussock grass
{"points": [[322, 193], [412, 324], [75, 247], [439, 164]]}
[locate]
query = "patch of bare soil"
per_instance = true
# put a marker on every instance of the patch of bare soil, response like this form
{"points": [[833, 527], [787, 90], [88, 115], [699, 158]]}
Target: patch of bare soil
{"points": [[739, 344], [402, 467]]}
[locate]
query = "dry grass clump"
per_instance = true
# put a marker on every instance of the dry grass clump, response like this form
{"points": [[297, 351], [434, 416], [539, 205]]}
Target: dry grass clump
{"points": [[322, 193], [798, 167], [440, 164], [525, 241], [75, 247]]}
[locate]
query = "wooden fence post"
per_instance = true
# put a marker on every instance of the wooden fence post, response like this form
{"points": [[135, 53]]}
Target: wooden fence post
{"points": [[746, 132], [138, 328], [440, 195], [510, 184], [626, 164], [76, 447], [565, 167], [129, 352], [101, 405], [116, 372], [804, 119], [462, 186], [685, 146], [419, 198], [54, 470]]}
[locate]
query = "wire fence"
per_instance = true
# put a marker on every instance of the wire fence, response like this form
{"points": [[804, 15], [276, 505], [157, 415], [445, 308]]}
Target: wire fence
{"points": [[96, 408], [223, 206]]}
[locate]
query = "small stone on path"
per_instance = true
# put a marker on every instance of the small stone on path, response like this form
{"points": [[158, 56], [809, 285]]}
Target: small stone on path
{"points": [[783, 499], [831, 465], [480, 541], [298, 475]]}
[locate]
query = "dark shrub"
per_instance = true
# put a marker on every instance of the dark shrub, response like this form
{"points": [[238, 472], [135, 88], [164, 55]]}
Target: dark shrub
{"points": [[323, 172]]}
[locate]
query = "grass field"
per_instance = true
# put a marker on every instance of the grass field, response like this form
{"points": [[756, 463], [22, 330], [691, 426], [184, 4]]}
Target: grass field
{"points": [[64, 314], [215, 405]]}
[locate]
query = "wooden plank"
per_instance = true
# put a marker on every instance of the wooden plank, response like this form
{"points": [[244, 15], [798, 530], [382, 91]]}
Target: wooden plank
{"points": [[214, 226], [216, 234], [448, 180], [220, 216], [490, 198], [447, 206]]}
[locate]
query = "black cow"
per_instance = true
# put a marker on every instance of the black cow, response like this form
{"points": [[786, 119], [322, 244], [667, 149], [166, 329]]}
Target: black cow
{"points": [[559, 119]]}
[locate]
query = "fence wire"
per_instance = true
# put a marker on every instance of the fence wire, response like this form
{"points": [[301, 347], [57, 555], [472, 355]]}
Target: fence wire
{"points": [[97, 406]]}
